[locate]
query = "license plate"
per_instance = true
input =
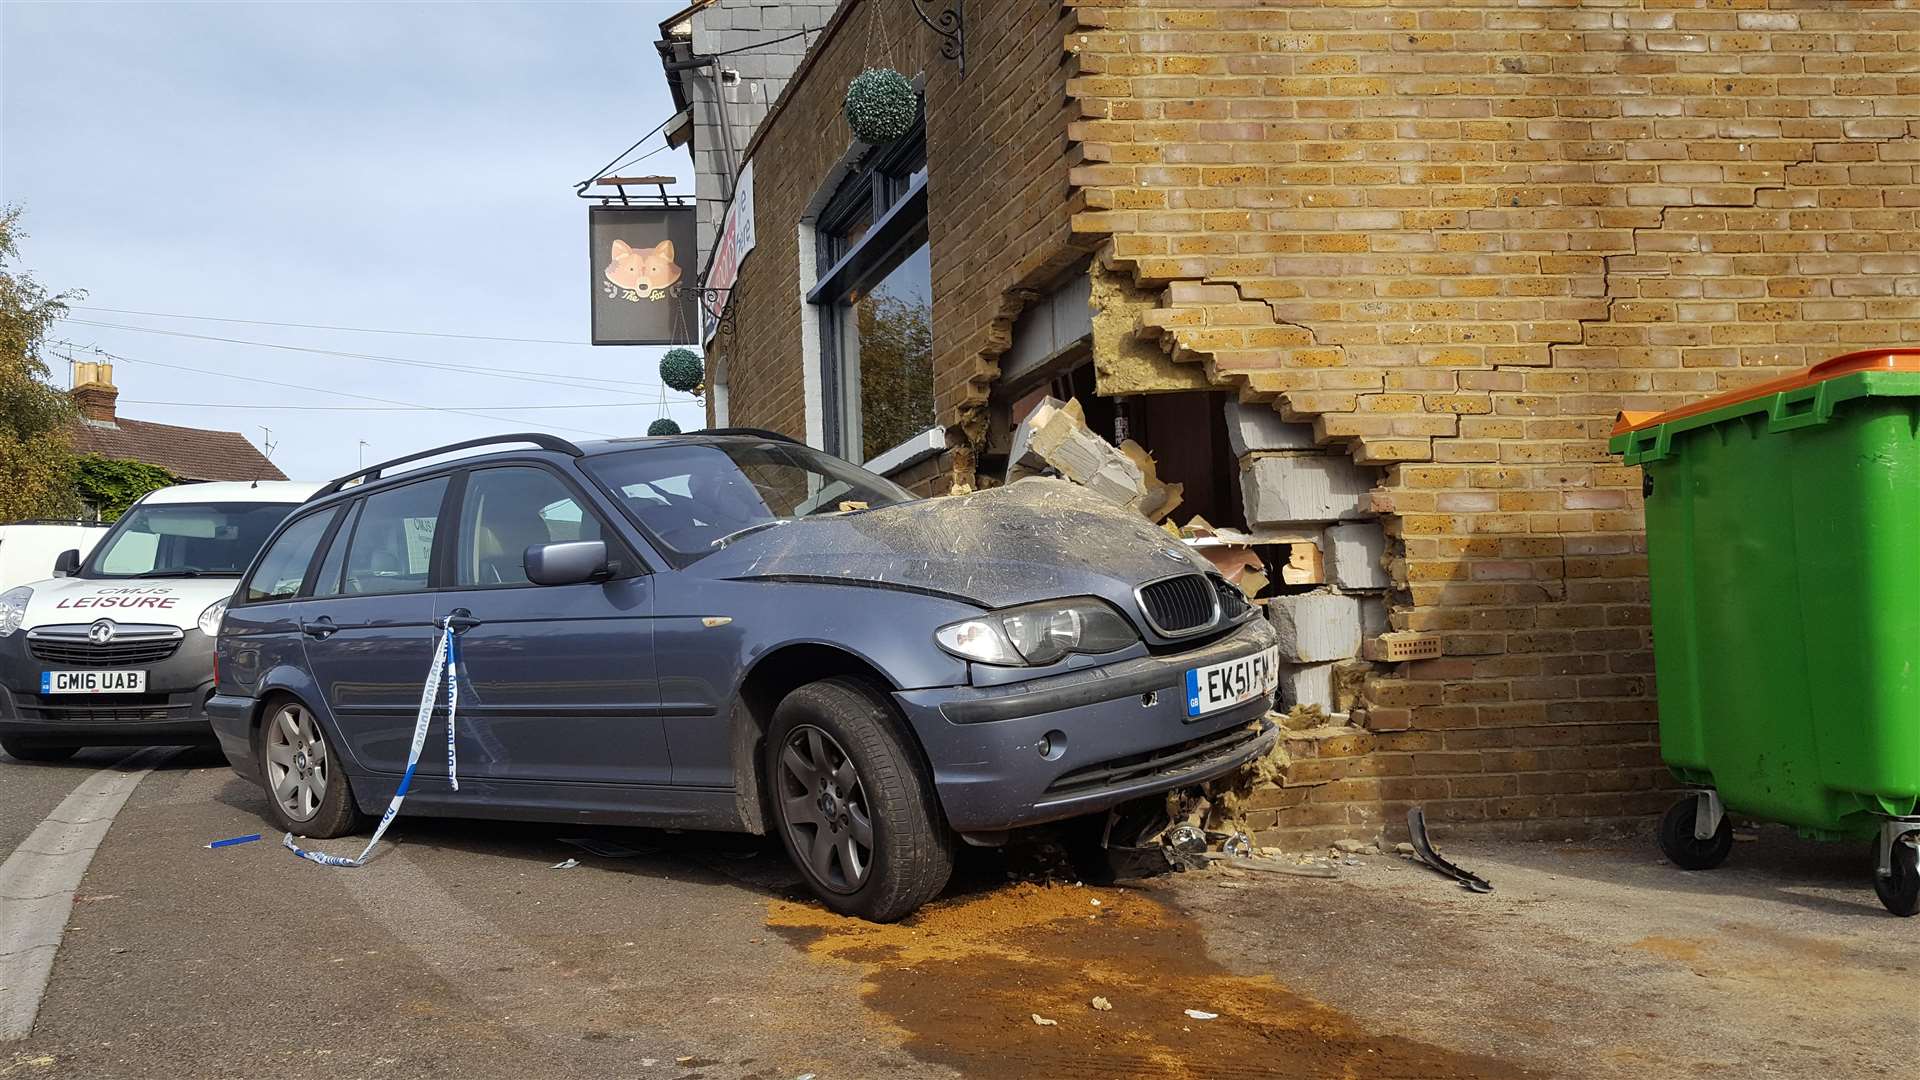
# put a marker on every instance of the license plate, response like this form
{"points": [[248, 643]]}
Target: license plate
{"points": [[1232, 682], [93, 682]]}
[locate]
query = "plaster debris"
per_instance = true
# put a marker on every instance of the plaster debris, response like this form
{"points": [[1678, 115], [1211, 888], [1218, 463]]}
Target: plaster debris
{"points": [[1054, 437], [1102, 1004], [1043, 1021], [1198, 1014]]}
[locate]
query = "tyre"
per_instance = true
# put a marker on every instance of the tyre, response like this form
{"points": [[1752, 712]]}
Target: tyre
{"points": [[1684, 849], [20, 751], [1900, 890], [307, 790], [852, 802]]}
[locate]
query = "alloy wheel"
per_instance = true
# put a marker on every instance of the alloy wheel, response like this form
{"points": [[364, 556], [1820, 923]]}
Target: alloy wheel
{"points": [[298, 767], [824, 807]]}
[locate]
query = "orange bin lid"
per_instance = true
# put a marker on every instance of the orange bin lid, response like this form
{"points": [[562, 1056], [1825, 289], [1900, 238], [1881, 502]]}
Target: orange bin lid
{"points": [[1846, 364]]}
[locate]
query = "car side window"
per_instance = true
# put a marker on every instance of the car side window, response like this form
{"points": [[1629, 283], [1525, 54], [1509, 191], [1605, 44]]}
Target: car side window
{"points": [[327, 581], [284, 566], [507, 510], [392, 546]]}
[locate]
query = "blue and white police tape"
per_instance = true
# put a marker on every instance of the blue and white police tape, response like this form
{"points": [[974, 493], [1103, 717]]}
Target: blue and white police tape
{"points": [[446, 657]]}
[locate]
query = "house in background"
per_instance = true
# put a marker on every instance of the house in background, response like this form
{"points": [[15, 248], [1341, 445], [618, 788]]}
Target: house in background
{"points": [[187, 455]]}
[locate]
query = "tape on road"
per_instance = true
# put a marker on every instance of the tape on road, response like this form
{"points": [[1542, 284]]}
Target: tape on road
{"points": [[446, 657], [37, 883]]}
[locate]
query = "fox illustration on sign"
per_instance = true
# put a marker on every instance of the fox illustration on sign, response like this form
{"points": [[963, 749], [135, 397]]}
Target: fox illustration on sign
{"points": [[640, 273]]}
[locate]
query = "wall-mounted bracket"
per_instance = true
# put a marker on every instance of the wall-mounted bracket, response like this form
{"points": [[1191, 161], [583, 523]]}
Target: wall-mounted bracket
{"points": [[951, 25]]}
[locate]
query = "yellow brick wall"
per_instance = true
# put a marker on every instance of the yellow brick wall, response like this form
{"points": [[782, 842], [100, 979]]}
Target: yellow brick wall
{"points": [[1457, 236]]}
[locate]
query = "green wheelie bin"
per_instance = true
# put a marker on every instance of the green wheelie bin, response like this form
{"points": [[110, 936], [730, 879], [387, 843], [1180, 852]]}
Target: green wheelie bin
{"points": [[1783, 543]]}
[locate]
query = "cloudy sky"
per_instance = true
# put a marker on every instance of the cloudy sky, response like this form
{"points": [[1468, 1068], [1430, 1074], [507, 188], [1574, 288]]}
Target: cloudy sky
{"points": [[394, 166]]}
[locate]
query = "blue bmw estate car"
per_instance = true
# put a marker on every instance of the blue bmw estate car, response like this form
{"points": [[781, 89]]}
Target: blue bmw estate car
{"points": [[731, 631]]}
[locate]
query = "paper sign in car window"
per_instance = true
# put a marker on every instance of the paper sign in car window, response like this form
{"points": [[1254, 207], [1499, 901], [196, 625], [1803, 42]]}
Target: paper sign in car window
{"points": [[419, 532]]}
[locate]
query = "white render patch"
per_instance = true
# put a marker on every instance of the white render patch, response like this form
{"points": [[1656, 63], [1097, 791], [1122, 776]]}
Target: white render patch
{"points": [[1257, 427], [1300, 488], [1353, 555], [1317, 627], [38, 879]]}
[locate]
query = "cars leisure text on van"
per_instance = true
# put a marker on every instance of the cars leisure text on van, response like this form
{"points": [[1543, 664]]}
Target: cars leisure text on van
{"points": [[118, 649]]}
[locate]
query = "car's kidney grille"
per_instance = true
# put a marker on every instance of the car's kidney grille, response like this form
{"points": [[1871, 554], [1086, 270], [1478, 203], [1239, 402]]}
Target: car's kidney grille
{"points": [[86, 653], [1180, 605]]}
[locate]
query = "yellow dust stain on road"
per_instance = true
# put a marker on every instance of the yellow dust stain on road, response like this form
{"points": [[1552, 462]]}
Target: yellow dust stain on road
{"points": [[962, 980]]}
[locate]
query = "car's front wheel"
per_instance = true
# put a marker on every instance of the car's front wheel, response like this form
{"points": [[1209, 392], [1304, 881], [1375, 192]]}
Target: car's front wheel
{"points": [[20, 751], [307, 790], [853, 803]]}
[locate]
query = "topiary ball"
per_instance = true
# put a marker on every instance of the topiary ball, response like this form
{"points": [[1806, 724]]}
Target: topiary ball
{"points": [[881, 105], [682, 369], [663, 426]]}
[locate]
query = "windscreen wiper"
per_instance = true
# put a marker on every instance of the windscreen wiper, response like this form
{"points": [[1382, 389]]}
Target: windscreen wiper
{"points": [[755, 527]]}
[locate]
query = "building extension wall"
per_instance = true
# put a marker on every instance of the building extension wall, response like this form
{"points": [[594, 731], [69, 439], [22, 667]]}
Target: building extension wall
{"points": [[1457, 237]]}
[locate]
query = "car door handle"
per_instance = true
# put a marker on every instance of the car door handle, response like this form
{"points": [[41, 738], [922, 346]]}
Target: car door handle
{"points": [[460, 620], [319, 628]]}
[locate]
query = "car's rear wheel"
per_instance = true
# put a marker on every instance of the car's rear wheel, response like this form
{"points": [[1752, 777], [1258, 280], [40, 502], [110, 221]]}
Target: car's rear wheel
{"points": [[20, 751], [853, 803], [307, 790]]}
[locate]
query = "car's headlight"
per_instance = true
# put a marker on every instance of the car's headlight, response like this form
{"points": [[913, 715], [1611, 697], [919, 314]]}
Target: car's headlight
{"points": [[1038, 633], [210, 618], [13, 608]]}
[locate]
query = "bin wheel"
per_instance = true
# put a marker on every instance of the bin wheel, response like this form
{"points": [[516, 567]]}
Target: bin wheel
{"points": [[1900, 890], [1687, 851]]}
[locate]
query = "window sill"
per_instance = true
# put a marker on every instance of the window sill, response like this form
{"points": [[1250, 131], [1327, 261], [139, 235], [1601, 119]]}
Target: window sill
{"points": [[915, 450]]}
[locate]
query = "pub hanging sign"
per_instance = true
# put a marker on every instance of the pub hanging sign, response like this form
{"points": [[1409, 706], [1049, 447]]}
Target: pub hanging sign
{"points": [[642, 260]]}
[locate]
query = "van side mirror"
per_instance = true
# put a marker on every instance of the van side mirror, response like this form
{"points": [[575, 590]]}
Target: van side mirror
{"points": [[67, 563], [568, 563]]}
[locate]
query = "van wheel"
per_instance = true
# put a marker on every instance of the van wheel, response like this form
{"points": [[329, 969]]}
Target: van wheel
{"points": [[20, 751], [307, 790], [855, 808]]}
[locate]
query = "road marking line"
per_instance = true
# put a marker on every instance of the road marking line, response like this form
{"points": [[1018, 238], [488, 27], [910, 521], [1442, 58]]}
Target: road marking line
{"points": [[37, 883]]}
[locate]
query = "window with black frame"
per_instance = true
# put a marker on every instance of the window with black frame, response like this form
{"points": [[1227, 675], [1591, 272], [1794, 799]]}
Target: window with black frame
{"points": [[876, 297]]}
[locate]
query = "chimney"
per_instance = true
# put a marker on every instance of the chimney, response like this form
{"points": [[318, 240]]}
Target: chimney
{"points": [[94, 392]]}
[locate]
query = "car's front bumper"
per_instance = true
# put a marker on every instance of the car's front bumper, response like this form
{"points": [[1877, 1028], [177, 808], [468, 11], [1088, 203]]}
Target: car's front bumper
{"points": [[1110, 734], [171, 712]]}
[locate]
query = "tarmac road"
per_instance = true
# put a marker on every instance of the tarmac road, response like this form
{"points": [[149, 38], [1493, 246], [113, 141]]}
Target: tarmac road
{"points": [[460, 952]]}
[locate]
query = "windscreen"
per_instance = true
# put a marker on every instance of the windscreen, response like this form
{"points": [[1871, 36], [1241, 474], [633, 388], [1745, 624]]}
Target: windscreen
{"points": [[185, 540], [694, 496]]}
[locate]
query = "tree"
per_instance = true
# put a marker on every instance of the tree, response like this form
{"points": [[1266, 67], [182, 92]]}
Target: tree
{"points": [[896, 371], [110, 485], [36, 449]]}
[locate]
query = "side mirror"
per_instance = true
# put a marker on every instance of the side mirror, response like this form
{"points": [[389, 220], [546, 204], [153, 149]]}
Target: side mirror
{"points": [[567, 564], [67, 564]]}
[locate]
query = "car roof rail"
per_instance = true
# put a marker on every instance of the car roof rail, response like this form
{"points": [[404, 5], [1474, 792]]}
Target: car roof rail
{"points": [[373, 472], [761, 433]]}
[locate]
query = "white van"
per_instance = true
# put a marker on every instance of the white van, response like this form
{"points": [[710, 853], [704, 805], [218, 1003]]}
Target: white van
{"points": [[119, 650], [28, 548]]}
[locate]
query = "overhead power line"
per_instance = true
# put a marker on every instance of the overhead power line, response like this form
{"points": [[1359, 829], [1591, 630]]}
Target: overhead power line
{"points": [[576, 382], [310, 389], [325, 326], [378, 408]]}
